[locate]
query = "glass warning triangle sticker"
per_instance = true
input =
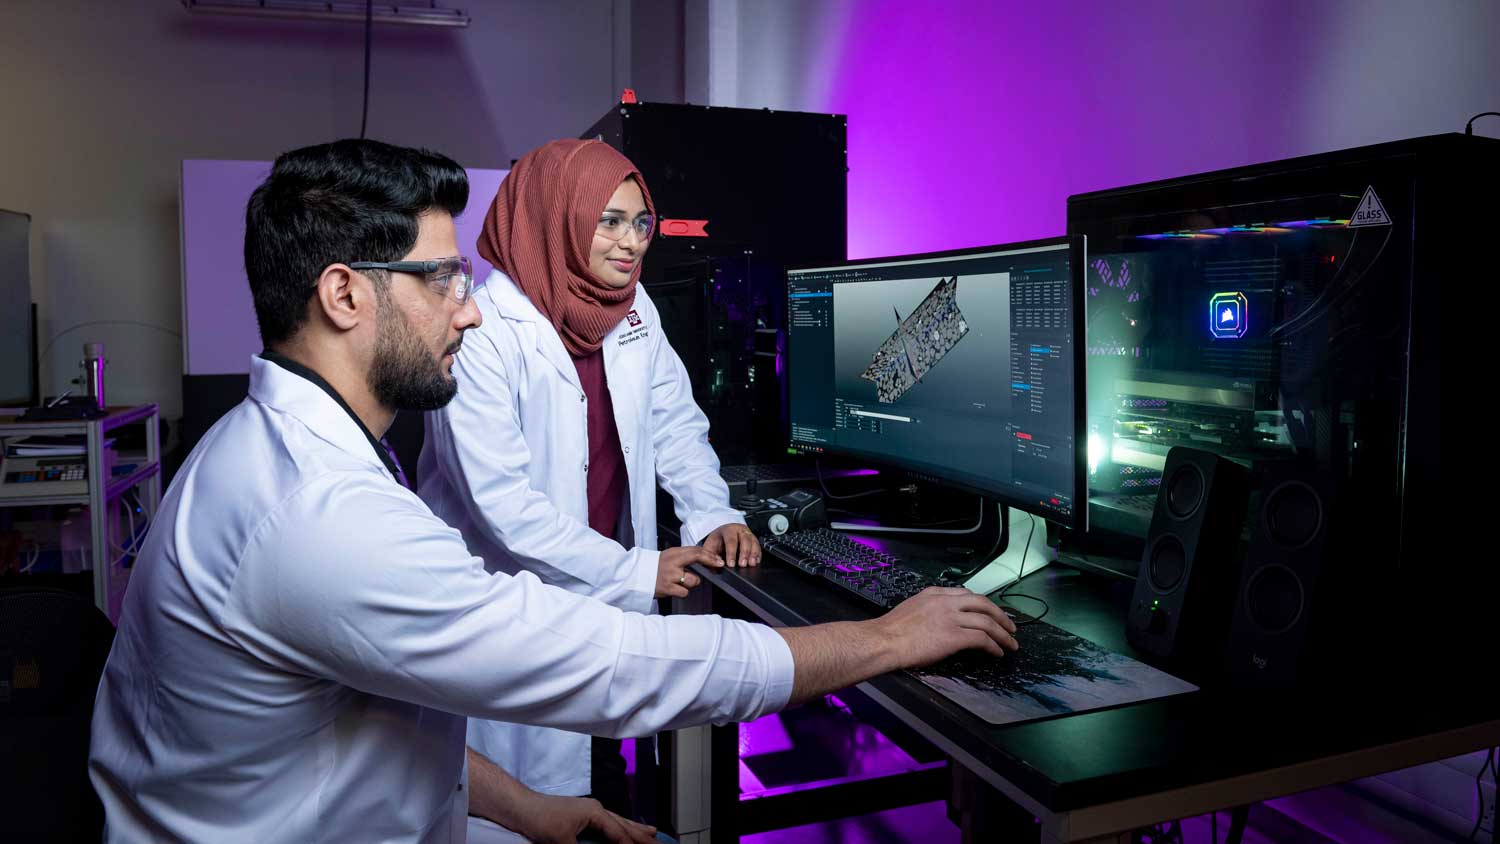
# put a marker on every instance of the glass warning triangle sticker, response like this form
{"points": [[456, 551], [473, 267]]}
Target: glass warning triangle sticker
{"points": [[1370, 212]]}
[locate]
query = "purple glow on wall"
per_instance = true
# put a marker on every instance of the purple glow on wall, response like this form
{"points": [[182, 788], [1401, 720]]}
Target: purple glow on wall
{"points": [[971, 122]]}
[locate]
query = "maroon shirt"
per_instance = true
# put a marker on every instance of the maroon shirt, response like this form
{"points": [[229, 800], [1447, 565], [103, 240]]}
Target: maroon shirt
{"points": [[607, 479]]}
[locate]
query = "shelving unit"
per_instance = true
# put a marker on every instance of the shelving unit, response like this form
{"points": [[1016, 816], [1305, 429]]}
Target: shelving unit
{"points": [[109, 576]]}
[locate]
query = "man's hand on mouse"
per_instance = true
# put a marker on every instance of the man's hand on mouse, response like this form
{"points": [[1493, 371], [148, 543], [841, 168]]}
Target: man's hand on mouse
{"points": [[940, 621]]}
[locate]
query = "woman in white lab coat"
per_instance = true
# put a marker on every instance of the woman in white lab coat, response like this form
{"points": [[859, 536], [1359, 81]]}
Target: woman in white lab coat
{"points": [[573, 408]]}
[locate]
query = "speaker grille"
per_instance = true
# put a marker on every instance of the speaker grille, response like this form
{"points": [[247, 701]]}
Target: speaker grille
{"points": [[1168, 562], [1274, 598], [1185, 491], [1294, 514]]}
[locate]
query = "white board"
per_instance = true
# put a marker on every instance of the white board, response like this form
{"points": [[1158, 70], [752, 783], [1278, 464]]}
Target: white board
{"points": [[219, 334]]}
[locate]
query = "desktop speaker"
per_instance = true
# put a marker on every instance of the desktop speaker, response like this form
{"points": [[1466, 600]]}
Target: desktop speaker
{"points": [[1287, 614], [1185, 587]]}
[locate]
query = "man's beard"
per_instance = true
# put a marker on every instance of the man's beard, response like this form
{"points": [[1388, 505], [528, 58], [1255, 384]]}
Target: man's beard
{"points": [[404, 375]]}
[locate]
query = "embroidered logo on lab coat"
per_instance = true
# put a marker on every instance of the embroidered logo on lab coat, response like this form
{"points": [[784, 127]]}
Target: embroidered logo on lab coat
{"points": [[638, 328]]}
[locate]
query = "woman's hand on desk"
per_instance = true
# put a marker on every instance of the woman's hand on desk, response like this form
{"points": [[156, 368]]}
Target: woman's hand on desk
{"points": [[939, 621], [735, 543], [673, 580]]}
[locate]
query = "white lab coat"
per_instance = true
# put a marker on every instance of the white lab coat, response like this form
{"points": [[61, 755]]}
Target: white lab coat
{"points": [[302, 638], [507, 464]]}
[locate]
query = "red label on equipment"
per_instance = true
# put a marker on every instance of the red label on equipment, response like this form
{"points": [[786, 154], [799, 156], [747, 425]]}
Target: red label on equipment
{"points": [[684, 228]]}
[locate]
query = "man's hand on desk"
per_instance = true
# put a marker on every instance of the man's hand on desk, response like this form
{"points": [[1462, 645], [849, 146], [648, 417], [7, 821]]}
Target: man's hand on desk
{"points": [[735, 543], [941, 620], [673, 580], [541, 818], [935, 623], [560, 820]]}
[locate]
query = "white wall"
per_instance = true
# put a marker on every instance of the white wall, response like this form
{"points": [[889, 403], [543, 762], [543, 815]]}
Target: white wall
{"points": [[1390, 69], [103, 100]]}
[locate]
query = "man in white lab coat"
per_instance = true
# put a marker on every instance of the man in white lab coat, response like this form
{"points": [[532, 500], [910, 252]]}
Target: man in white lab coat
{"points": [[302, 637]]}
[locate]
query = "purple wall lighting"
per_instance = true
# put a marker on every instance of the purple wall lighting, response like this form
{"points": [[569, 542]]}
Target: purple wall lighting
{"points": [[971, 122]]}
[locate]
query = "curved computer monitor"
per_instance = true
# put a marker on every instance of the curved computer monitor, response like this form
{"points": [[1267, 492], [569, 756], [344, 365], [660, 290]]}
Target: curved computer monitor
{"points": [[965, 368]]}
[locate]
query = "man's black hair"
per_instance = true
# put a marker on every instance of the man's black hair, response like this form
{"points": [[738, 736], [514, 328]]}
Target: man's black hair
{"points": [[351, 200]]}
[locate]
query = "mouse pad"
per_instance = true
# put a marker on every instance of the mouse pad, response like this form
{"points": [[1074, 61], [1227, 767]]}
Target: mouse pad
{"points": [[1054, 673]]}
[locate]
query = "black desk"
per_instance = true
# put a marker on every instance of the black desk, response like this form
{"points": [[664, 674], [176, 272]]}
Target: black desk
{"points": [[1090, 776]]}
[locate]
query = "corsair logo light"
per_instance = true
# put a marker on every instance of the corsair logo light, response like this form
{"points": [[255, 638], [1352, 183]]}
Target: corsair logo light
{"points": [[1227, 315]]}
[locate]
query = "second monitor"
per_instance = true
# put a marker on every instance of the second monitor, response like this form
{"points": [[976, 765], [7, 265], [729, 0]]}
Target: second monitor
{"points": [[962, 367]]}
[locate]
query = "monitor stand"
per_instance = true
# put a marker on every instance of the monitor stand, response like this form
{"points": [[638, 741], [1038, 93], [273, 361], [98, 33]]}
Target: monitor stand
{"points": [[1026, 551]]}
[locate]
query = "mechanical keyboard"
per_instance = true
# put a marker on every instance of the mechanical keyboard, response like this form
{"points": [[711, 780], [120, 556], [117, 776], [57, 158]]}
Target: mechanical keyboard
{"points": [[873, 576]]}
